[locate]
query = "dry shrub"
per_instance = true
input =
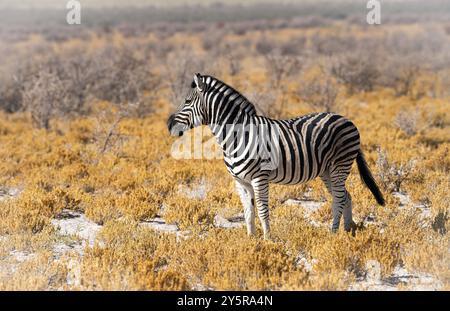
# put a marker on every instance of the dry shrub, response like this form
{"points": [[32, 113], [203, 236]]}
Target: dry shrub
{"points": [[233, 57], [401, 74], [61, 85], [11, 93], [130, 257], [281, 193], [407, 122], [348, 254], [320, 91], [102, 208], [39, 272], [31, 212], [327, 44], [180, 67], [429, 256], [123, 78], [42, 96], [290, 225], [391, 175], [263, 100], [294, 47], [188, 213], [56, 87], [264, 46], [357, 72], [237, 262], [280, 68], [140, 203]]}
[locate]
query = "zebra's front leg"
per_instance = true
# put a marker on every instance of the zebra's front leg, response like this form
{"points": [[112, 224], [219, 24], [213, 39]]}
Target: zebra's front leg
{"points": [[261, 190], [247, 196]]}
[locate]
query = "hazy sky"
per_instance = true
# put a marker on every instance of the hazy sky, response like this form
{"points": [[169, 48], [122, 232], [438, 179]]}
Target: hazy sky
{"points": [[123, 3], [100, 3]]}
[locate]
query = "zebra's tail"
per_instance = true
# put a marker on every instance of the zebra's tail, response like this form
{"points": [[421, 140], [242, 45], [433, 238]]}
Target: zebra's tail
{"points": [[367, 178]]}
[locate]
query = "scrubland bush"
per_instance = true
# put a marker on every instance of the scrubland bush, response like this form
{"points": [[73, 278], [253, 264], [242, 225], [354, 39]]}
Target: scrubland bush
{"points": [[187, 214], [233, 58], [180, 67], [392, 175], [280, 68], [264, 46], [246, 265], [43, 97], [320, 91], [402, 73], [407, 122], [325, 45], [123, 77], [11, 94], [357, 72], [61, 87], [132, 258]]}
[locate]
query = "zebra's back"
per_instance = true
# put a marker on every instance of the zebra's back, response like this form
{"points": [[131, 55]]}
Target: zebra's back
{"points": [[311, 144]]}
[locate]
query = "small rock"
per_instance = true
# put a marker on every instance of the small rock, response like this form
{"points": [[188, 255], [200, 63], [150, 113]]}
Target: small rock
{"points": [[373, 271], [75, 223], [21, 256], [8, 193], [222, 222], [403, 197], [160, 225]]}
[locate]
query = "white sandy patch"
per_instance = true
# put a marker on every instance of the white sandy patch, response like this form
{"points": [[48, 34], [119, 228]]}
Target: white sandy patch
{"points": [[308, 206], [198, 191], [229, 223], [407, 280], [9, 193], [75, 223]]}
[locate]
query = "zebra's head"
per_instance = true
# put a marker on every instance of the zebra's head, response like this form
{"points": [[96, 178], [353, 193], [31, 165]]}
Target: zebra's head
{"points": [[191, 113]]}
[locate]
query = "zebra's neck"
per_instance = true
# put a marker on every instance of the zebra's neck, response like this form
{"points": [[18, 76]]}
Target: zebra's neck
{"points": [[225, 105], [228, 112], [228, 135]]}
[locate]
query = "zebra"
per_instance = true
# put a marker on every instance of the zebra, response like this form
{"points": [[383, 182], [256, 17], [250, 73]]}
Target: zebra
{"points": [[321, 145]]}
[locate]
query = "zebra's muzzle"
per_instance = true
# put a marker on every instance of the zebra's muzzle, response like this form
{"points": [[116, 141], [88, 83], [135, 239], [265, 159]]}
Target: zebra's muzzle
{"points": [[175, 129]]}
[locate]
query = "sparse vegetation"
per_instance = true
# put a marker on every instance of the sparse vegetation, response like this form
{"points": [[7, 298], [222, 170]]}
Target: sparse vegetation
{"points": [[83, 129]]}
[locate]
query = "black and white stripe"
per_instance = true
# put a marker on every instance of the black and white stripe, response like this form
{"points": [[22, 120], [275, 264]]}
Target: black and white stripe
{"points": [[259, 150]]}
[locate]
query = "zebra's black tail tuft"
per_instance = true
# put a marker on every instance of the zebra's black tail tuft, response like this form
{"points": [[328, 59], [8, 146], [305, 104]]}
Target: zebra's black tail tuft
{"points": [[367, 178]]}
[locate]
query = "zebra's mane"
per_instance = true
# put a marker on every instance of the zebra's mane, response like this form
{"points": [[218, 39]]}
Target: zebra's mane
{"points": [[245, 104]]}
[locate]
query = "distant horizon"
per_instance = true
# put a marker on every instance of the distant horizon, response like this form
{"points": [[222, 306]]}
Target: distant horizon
{"points": [[60, 4]]}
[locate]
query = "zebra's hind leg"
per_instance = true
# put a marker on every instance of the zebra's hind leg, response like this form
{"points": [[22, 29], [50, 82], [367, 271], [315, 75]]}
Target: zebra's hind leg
{"points": [[261, 190], [334, 205], [349, 224], [342, 203], [245, 191]]}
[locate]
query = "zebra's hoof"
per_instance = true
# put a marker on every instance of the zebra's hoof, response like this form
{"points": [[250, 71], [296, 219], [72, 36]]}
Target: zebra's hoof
{"points": [[352, 227]]}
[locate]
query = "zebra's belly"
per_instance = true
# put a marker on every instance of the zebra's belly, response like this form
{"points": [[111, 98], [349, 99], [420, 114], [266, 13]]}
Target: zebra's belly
{"points": [[286, 175]]}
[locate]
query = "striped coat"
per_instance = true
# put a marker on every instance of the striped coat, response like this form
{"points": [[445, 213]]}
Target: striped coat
{"points": [[259, 150]]}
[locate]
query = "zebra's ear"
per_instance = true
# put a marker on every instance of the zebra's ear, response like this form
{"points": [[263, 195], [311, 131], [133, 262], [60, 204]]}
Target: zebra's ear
{"points": [[199, 82]]}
